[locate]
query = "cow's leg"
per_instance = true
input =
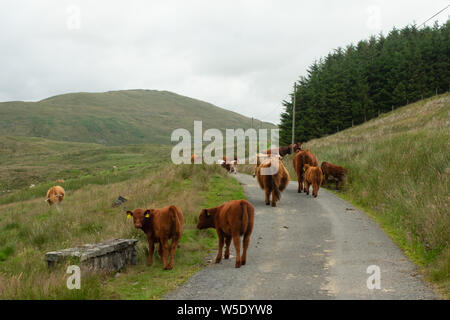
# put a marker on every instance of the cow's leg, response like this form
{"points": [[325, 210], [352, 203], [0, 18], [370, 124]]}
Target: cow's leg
{"points": [[307, 187], [326, 180], [245, 244], [173, 247], [160, 250], [237, 246], [151, 249], [227, 249], [300, 184], [274, 199], [221, 238], [337, 184], [165, 252], [267, 193]]}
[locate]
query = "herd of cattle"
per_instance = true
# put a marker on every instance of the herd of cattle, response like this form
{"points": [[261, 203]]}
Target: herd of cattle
{"points": [[232, 219]]}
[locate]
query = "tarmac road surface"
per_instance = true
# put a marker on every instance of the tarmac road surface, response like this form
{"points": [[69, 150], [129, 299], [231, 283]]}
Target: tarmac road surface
{"points": [[309, 248]]}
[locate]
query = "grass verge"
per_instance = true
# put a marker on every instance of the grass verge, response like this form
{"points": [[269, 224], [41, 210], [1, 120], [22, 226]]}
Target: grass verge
{"points": [[29, 229]]}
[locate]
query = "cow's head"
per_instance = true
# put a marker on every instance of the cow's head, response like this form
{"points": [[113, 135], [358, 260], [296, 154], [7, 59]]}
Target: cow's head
{"points": [[206, 219], [139, 217]]}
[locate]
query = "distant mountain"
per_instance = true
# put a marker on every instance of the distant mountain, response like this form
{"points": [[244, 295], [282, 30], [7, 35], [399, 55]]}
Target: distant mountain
{"points": [[115, 117]]}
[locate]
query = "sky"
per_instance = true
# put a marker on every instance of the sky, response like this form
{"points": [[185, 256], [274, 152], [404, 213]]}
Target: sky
{"points": [[242, 55]]}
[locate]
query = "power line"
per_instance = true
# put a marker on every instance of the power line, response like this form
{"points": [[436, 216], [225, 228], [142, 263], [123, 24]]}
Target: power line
{"points": [[435, 15], [268, 114]]}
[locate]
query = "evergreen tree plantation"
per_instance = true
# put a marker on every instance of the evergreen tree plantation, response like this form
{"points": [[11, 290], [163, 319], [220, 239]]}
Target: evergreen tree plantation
{"points": [[353, 85]]}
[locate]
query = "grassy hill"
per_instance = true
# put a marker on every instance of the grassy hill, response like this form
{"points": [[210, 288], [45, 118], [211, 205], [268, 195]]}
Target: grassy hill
{"points": [[26, 160], [399, 172], [115, 117]]}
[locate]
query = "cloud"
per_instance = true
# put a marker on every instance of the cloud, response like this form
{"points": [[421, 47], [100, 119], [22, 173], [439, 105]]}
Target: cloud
{"points": [[239, 55]]}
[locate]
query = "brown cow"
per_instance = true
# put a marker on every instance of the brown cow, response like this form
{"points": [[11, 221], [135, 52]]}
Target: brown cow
{"points": [[160, 225], [282, 151], [273, 183], [301, 158], [298, 146], [55, 195], [261, 157], [232, 219], [337, 172], [313, 176], [60, 181]]}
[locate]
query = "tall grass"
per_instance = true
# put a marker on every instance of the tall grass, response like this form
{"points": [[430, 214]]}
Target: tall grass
{"points": [[29, 229], [399, 171]]}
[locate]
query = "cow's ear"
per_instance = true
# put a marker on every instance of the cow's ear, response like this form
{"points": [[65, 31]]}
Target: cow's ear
{"points": [[129, 214], [147, 213], [205, 211]]}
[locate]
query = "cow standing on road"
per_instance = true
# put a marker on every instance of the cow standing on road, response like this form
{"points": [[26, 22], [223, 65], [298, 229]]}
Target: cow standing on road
{"points": [[300, 159], [231, 220], [313, 176], [274, 180]]}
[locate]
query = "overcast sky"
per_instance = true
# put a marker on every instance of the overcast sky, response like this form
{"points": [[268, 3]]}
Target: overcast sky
{"points": [[239, 55]]}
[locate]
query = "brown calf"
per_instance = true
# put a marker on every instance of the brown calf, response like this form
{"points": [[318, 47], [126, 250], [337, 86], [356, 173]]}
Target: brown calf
{"points": [[313, 176], [337, 172], [160, 225], [55, 195], [275, 182], [232, 219], [301, 158]]}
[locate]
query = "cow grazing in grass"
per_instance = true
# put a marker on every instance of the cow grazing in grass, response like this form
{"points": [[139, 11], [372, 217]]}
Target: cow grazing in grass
{"points": [[301, 158], [331, 170], [60, 181], [160, 225], [273, 178], [229, 164], [313, 176], [231, 220], [55, 195]]}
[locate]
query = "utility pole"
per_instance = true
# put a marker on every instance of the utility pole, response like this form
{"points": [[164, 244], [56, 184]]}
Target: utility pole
{"points": [[252, 122], [293, 117]]}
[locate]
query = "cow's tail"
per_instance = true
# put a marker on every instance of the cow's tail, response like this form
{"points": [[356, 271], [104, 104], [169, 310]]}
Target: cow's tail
{"points": [[244, 224], [275, 188], [173, 212]]}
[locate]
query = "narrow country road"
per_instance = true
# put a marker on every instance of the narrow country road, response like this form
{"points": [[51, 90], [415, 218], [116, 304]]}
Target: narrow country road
{"points": [[309, 248]]}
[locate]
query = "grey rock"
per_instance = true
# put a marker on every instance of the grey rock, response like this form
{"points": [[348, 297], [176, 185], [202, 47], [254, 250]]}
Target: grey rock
{"points": [[111, 255]]}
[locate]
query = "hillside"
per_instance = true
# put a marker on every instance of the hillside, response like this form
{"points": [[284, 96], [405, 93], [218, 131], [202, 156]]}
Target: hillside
{"points": [[27, 160], [114, 117], [399, 172]]}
